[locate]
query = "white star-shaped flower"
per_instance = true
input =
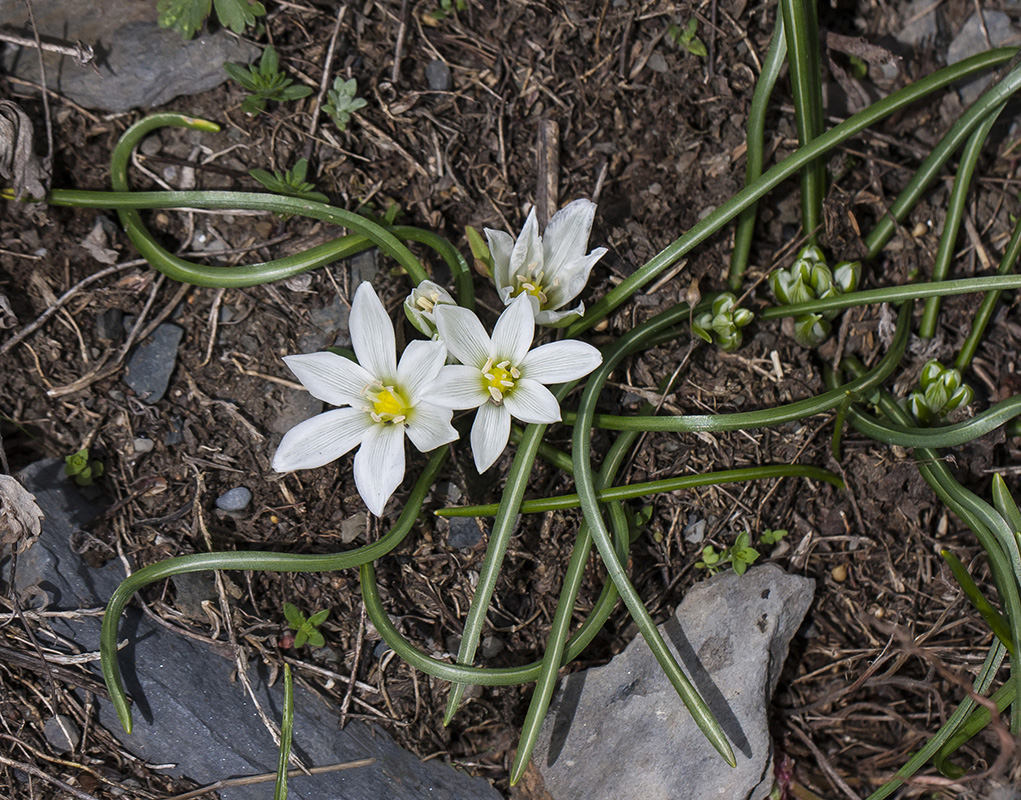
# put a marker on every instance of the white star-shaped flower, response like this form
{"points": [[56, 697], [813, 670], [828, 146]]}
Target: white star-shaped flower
{"points": [[501, 376], [381, 401], [550, 269]]}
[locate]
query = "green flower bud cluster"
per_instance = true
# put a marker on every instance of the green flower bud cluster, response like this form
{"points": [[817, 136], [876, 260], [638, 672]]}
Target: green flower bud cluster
{"points": [[725, 320], [807, 279], [941, 390]]}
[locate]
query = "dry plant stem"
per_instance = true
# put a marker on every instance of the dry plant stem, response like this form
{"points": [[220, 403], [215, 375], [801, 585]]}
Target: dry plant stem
{"points": [[324, 84], [38, 773], [269, 777], [82, 53]]}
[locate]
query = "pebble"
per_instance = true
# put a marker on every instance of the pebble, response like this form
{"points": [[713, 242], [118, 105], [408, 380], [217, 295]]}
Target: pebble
{"points": [[236, 499], [437, 75], [839, 573], [694, 531], [381, 649], [62, 733], [108, 324], [353, 527], [491, 646], [971, 40], [152, 363], [142, 445], [464, 532]]}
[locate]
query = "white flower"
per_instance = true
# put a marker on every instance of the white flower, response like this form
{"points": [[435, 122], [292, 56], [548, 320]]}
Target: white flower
{"points": [[501, 376], [382, 401], [420, 304], [551, 269]]}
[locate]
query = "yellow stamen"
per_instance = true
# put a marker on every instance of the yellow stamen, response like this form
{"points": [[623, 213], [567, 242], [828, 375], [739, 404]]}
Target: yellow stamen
{"points": [[531, 285], [499, 379], [388, 405]]}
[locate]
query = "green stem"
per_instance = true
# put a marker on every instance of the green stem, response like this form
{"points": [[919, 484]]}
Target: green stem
{"points": [[955, 211], [776, 175], [800, 409], [802, 33], [754, 159], [268, 562], [985, 311], [633, 490]]}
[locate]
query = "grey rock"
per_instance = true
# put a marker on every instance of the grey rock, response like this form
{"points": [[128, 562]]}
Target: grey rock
{"points": [[464, 532], [694, 531], [437, 75], [143, 445], [972, 40], [176, 434], [188, 711], [296, 406], [381, 649], [353, 527], [108, 324], [152, 362], [236, 499], [62, 733], [621, 732], [922, 25], [191, 590], [137, 63], [364, 267], [491, 646]]}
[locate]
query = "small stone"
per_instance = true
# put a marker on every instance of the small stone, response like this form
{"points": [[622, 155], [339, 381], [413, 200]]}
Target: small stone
{"points": [[657, 63], [108, 324], [464, 533], [364, 266], [176, 434], [694, 532], [839, 573], [152, 363], [191, 590], [353, 527], [971, 40], [437, 75], [491, 646], [236, 499], [380, 650], [151, 145], [62, 733], [142, 445]]}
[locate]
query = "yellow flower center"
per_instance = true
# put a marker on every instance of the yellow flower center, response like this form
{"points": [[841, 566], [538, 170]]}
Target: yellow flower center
{"points": [[427, 302], [532, 285], [387, 404], [499, 379]]}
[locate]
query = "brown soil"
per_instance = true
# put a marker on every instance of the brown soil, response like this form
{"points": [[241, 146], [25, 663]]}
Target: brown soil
{"points": [[656, 135]]}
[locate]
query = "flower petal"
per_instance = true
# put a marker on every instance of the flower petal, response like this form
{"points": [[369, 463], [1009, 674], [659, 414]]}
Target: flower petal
{"points": [[420, 365], [463, 334], [558, 362], [526, 257], [501, 245], [530, 401], [559, 319], [571, 279], [428, 427], [490, 433], [372, 334], [321, 439], [330, 378], [459, 387], [379, 465], [566, 236], [514, 331]]}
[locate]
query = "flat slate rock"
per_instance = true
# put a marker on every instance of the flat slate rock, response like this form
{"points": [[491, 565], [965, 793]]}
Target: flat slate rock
{"points": [[137, 63], [152, 363], [620, 732], [187, 709]]}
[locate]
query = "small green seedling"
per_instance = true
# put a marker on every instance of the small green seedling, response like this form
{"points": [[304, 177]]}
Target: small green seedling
{"points": [[448, 7], [941, 390], [79, 467], [291, 183], [723, 323], [265, 82], [342, 101], [740, 556], [187, 16], [307, 628], [686, 37]]}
